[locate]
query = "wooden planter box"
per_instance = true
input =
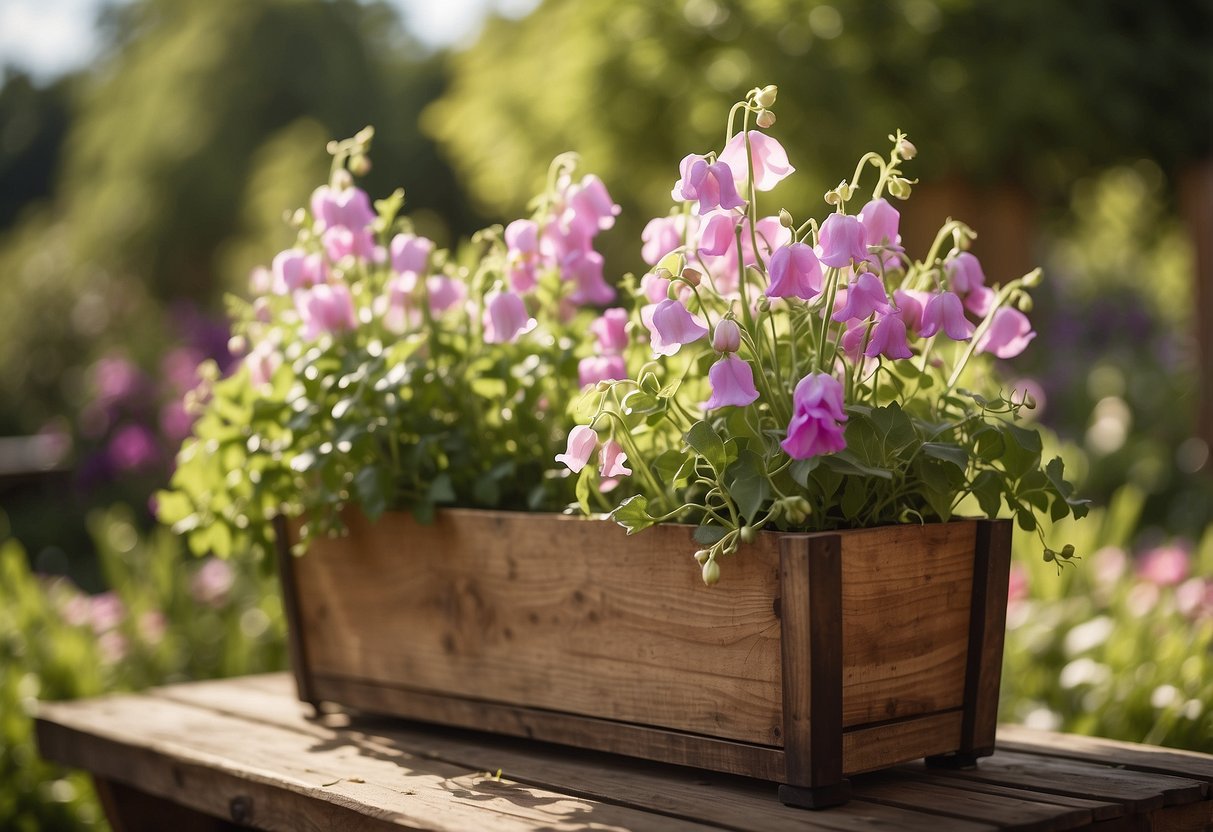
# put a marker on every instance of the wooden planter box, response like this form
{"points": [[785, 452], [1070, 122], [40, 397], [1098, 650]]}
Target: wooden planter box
{"points": [[816, 657]]}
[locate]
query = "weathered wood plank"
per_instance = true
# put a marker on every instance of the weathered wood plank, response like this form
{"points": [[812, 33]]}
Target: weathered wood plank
{"points": [[504, 616], [132, 810], [206, 760], [1107, 752], [877, 746]]}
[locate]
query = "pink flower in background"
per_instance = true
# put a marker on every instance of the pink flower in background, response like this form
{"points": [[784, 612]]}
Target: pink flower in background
{"points": [[589, 208], [1194, 598], [888, 337], [964, 273], [596, 368], [1165, 565], [505, 317], [325, 308], [770, 160], [113, 647], [795, 273], [732, 381], [348, 208], [723, 269], [980, 300], [116, 379], [582, 442], [611, 461], [880, 222], [444, 293], [1008, 334], [852, 341], [842, 240], [296, 269], [522, 254], [584, 268], [180, 368], [664, 234], [711, 185], [132, 448], [106, 611], [727, 336], [674, 326], [945, 312], [818, 417], [152, 627], [212, 582], [865, 296], [175, 421], [654, 288], [611, 330], [1017, 587], [400, 315], [263, 361], [909, 304], [1109, 564], [340, 242], [410, 253], [719, 233]]}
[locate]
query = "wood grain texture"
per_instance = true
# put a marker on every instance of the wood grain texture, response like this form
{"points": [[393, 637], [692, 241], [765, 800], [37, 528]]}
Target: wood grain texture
{"points": [[550, 612], [988, 623], [867, 748]]}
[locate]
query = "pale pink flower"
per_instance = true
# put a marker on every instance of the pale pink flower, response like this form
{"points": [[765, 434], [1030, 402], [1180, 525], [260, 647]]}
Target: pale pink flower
{"points": [[296, 269], [410, 253], [324, 308], [1164, 565], [505, 317], [212, 582], [674, 326], [654, 288], [795, 273], [611, 330], [444, 293], [582, 442], [348, 208], [964, 273], [340, 242], [732, 381], [106, 611], [595, 368], [842, 240], [727, 336], [400, 314], [612, 459], [711, 186], [112, 646], [589, 208], [818, 416], [664, 234], [1008, 334], [262, 362], [945, 312], [770, 160]]}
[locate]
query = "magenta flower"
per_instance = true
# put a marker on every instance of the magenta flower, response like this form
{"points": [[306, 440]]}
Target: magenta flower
{"points": [[723, 269], [664, 234], [795, 273], [349, 208], [732, 381], [1008, 334], [909, 304], [584, 268], [770, 160], [842, 240], [611, 330], [727, 337], [132, 448], [817, 418], [595, 368], [865, 296], [964, 273], [444, 293], [296, 269], [888, 337], [340, 242], [852, 340], [325, 308], [410, 253], [611, 460], [674, 326], [582, 442], [980, 300], [711, 185], [880, 222], [944, 311], [505, 317]]}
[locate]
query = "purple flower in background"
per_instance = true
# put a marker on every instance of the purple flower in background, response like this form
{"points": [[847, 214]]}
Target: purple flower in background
{"points": [[175, 421], [945, 312], [795, 273], [674, 326], [611, 330], [888, 337], [505, 317], [212, 582], [116, 379], [132, 448], [180, 368], [664, 234], [817, 421], [348, 208], [770, 160], [865, 296], [410, 253], [582, 442], [1008, 335], [325, 308], [732, 381], [710, 185], [841, 241]]}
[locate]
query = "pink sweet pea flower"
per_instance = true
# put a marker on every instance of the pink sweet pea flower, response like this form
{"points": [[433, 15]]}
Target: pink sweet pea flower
{"points": [[340, 242], [444, 293], [654, 288], [888, 338], [505, 317], [262, 361], [980, 300], [944, 311], [852, 341], [795, 273], [770, 160], [723, 269], [410, 253], [674, 326], [325, 308], [584, 267], [719, 233], [296, 269], [664, 234], [1008, 334], [865, 296], [611, 330], [842, 240], [711, 185], [817, 421], [349, 208], [909, 304], [732, 381], [589, 208], [964, 273], [880, 222], [1165, 565], [400, 313], [582, 442], [727, 337], [596, 368], [611, 460]]}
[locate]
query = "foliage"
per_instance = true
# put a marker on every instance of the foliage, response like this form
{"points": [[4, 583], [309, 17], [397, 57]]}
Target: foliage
{"points": [[1121, 647], [383, 373], [772, 446], [164, 619]]}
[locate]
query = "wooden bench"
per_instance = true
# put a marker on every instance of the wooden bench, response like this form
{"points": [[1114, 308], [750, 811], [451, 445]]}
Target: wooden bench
{"points": [[243, 753]]}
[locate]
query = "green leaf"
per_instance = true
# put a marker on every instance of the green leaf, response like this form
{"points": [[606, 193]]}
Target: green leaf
{"points": [[703, 439], [172, 507], [1026, 520], [673, 467], [801, 468], [987, 488], [441, 489], [639, 401], [854, 496], [845, 462], [633, 514], [948, 452], [748, 484], [586, 481], [988, 443], [708, 535], [370, 488]]}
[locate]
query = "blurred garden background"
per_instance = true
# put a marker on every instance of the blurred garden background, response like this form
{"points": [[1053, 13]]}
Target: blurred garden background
{"points": [[144, 180]]}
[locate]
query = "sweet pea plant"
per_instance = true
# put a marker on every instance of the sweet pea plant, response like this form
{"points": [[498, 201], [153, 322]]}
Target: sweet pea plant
{"points": [[380, 371], [802, 375]]}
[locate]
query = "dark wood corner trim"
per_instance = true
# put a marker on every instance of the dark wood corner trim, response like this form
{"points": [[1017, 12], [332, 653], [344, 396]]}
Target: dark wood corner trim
{"points": [[988, 621], [290, 608]]}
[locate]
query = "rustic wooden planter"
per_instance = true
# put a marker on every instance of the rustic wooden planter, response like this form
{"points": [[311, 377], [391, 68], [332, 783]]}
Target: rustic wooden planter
{"points": [[818, 656]]}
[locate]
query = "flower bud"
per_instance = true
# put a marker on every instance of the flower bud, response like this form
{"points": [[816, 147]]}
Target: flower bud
{"points": [[702, 556], [360, 165], [711, 572], [1067, 551], [664, 274], [766, 96], [899, 188], [691, 276], [727, 337], [747, 534], [1032, 278], [906, 149], [237, 345], [341, 180], [796, 510], [765, 119], [785, 218], [1024, 303]]}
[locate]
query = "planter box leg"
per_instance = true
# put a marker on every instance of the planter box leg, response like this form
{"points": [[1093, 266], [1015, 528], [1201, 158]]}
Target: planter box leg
{"points": [[811, 613], [956, 760]]}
